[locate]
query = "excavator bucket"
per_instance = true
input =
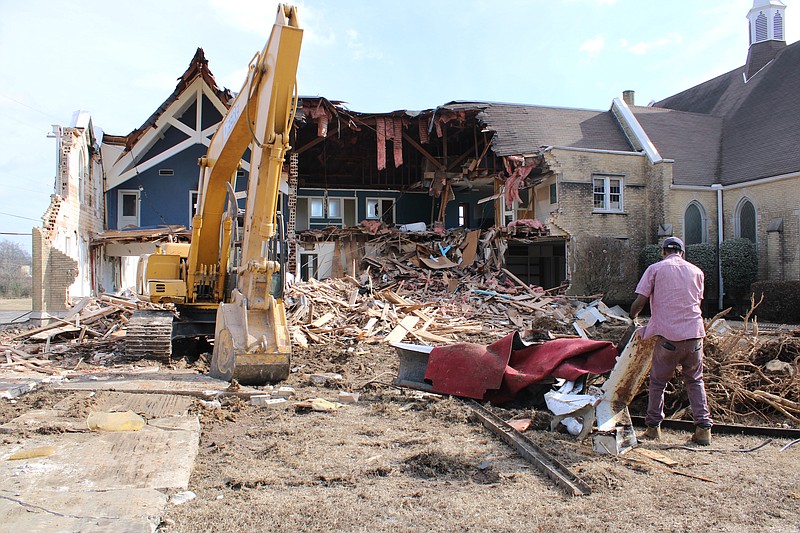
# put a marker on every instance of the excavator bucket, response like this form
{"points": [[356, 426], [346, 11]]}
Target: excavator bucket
{"points": [[251, 346]]}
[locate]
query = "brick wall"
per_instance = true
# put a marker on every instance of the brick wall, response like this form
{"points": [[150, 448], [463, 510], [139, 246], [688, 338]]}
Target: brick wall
{"points": [[773, 200], [636, 225], [53, 273]]}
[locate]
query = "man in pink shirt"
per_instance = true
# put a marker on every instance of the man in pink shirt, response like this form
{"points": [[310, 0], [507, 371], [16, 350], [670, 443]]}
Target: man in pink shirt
{"points": [[675, 289]]}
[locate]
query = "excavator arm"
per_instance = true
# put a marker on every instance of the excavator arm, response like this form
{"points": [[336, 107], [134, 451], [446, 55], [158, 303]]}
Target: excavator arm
{"points": [[260, 118], [251, 341]]}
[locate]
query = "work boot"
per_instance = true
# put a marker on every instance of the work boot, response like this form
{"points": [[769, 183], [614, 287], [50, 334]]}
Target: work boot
{"points": [[652, 433], [702, 435]]}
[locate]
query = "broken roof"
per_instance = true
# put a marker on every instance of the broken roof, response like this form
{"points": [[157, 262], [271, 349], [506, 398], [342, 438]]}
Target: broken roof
{"points": [[198, 67], [760, 117], [526, 129]]}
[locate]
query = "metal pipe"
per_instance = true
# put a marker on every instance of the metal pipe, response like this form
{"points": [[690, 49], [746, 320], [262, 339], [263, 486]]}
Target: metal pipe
{"points": [[720, 218]]}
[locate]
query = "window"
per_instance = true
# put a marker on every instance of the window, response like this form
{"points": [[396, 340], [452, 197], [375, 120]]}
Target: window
{"points": [[308, 266], [463, 215], [607, 194], [334, 208], [166, 172], [694, 224], [317, 207], [777, 27], [127, 209], [553, 193], [381, 208], [746, 220]]}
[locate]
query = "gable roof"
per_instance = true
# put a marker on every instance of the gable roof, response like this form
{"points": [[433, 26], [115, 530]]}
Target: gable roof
{"points": [[760, 117], [198, 67], [526, 129]]}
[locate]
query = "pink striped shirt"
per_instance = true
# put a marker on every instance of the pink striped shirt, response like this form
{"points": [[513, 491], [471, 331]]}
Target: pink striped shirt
{"points": [[675, 289]]}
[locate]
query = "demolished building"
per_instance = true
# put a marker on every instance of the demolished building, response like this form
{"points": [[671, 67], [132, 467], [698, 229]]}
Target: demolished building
{"points": [[573, 195]]}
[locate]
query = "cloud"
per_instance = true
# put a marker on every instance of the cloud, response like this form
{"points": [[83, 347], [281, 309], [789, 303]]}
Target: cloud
{"points": [[359, 49], [644, 47], [594, 46]]}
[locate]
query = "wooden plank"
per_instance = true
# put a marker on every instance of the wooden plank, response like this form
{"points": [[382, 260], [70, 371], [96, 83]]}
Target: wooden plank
{"points": [[469, 250], [402, 329], [538, 457], [77, 308], [353, 297], [324, 319], [428, 336], [656, 456]]}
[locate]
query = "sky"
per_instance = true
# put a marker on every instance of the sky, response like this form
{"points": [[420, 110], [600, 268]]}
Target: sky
{"points": [[120, 60]]}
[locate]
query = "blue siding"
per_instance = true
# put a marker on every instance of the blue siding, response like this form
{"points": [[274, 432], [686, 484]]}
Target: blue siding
{"points": [[210, 114], [164, 199]]}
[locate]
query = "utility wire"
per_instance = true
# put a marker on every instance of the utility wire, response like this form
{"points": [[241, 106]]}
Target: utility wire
{"points": [[18, 216], [48, 115]]}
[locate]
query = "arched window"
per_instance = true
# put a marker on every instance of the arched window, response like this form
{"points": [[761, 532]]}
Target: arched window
{"points": [[694, 224], [746, 220]]}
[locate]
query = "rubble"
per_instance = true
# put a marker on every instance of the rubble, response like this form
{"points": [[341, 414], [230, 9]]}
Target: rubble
{"points": [[90, 331]]}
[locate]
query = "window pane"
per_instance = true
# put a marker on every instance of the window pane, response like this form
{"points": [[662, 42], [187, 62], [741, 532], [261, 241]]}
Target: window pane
{"points": [[693, 220], [316, 208], [372, 209], [553, 193], [129, 205], [747, 222], [334, 208], [599, 193]]}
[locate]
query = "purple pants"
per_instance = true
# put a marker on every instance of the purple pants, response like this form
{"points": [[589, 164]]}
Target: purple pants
{"points": [[667, 355]]}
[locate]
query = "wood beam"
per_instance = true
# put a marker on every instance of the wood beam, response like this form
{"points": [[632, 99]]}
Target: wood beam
{"points": [[424, 152]]}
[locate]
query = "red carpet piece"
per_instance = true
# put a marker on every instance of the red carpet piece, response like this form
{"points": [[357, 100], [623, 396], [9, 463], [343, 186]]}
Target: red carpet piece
{"points": [[499, 371]]}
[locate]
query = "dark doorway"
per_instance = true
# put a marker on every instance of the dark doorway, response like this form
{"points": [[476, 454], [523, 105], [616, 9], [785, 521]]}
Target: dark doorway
{"points": [[540, 263]]}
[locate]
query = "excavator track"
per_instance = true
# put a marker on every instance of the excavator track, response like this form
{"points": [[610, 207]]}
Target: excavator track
{"points": [[149, 335]]}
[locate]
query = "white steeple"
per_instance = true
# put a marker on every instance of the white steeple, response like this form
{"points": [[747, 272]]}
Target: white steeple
{"points": [[767, 21]]}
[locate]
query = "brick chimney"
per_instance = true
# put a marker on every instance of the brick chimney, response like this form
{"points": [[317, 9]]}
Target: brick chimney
{"points": [[629, 97]]}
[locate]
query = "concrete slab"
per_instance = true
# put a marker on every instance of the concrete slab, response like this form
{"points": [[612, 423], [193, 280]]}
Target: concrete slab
{"points": [[147, 405], [134, 511], [14, 383], [97, 481], [163, 382]]}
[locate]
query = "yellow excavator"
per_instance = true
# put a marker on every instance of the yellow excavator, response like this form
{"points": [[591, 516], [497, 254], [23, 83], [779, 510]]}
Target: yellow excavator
{"points": [[242, 300]]}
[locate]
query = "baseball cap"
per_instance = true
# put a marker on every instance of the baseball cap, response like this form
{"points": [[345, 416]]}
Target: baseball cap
{"points": [[673, 243]]}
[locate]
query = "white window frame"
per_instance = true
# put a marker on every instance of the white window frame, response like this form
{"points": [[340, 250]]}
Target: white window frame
{"points": [[379, 211], [123, 221], [607, 195]]}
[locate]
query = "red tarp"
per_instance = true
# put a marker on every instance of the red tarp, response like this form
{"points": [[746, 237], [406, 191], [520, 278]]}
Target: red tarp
{"points": [[499, 371]]}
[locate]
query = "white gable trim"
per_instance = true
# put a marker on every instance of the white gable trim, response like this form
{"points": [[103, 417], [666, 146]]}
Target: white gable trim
{"points": [[634, 131], [129, 166]]}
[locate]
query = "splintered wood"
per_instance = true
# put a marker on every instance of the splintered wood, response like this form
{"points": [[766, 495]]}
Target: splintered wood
{"points": [[93, 325], [422, 308]]}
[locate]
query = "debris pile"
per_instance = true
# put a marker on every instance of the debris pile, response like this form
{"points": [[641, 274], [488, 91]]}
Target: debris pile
{"points": [[90, 330], [748, 375], [429, 307]]}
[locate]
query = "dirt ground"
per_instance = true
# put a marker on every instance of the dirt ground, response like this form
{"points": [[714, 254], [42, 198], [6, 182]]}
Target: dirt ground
{"points": [[399, 460]]}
